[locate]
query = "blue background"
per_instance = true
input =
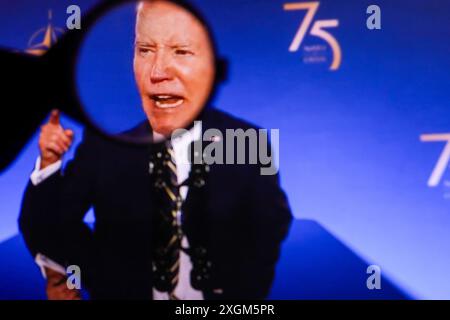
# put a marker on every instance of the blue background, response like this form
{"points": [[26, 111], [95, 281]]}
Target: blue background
{"points": [[351, 158]]}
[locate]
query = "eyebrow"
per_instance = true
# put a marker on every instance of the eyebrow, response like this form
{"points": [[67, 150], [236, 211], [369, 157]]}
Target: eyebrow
{"points": [[152, 44], [143, 43]]}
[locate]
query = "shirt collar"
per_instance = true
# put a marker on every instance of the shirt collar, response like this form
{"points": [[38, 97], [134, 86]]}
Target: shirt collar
{"points": [[194, 133]]}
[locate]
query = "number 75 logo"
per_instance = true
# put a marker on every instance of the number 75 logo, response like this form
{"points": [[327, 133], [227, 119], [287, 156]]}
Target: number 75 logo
{"points": [[443, 161], [316, 30]]}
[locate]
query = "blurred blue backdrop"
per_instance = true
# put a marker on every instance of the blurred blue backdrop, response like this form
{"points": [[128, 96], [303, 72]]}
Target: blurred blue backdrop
{"points": [[351, 156]]}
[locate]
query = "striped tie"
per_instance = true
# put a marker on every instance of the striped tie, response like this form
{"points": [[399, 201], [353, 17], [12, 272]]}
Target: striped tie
{"points": [[167, 263]]}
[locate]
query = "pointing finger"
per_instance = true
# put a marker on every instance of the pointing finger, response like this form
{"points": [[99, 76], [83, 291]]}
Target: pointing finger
{"points": [[54, 117]]}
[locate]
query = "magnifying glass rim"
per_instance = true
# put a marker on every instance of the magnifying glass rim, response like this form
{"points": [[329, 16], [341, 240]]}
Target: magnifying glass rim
{"points": [[88, 23]]}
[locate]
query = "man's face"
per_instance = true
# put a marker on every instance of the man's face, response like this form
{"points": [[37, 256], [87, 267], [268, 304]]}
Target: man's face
{"points": [[173, 65]]}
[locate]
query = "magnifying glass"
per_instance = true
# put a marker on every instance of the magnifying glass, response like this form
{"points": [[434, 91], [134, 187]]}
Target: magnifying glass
{"points": [[135, 70]]}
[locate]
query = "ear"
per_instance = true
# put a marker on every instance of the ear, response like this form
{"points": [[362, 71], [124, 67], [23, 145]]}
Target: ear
{"points": [[221, 69]]}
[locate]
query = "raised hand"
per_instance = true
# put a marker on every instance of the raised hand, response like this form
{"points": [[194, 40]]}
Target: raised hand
{"points": [[54, 140]]}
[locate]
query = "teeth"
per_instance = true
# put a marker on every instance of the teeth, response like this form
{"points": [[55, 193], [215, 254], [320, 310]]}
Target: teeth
{"points": [[162, 104], [167, 101]]}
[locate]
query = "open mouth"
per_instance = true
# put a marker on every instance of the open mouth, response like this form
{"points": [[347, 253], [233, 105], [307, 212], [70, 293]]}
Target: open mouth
{"points": [[165, 101]]}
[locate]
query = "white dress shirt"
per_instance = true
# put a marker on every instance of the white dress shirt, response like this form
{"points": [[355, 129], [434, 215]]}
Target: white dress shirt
{"points": [[180, 144]]}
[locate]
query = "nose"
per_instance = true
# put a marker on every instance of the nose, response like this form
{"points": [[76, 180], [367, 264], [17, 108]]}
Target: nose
{"points": [[160, 70]]}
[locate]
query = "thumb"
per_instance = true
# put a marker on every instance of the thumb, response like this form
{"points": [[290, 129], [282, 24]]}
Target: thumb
{"points": [[68, 133], [54, 117]]}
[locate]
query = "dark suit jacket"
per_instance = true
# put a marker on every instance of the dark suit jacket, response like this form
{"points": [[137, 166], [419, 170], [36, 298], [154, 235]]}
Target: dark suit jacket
{"points": [[244, 217]]}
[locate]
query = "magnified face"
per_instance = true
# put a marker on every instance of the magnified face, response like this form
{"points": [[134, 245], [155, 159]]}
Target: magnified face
{"points": [[173, 65]]}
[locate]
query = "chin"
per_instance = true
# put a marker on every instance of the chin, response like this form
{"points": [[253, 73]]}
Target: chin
{"points": [[167, 122], [165, 130], [164, 125]]}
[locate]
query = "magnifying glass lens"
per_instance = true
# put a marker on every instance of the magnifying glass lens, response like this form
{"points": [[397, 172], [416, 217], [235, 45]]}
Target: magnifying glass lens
{"points": [[145, 67]]}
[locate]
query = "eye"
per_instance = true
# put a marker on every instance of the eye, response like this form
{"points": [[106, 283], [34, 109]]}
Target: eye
{"points": [[183, 52], [143, 51]]}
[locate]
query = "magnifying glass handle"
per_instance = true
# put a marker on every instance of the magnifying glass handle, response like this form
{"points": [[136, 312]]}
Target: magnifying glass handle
{"points": [[23, 102]]}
